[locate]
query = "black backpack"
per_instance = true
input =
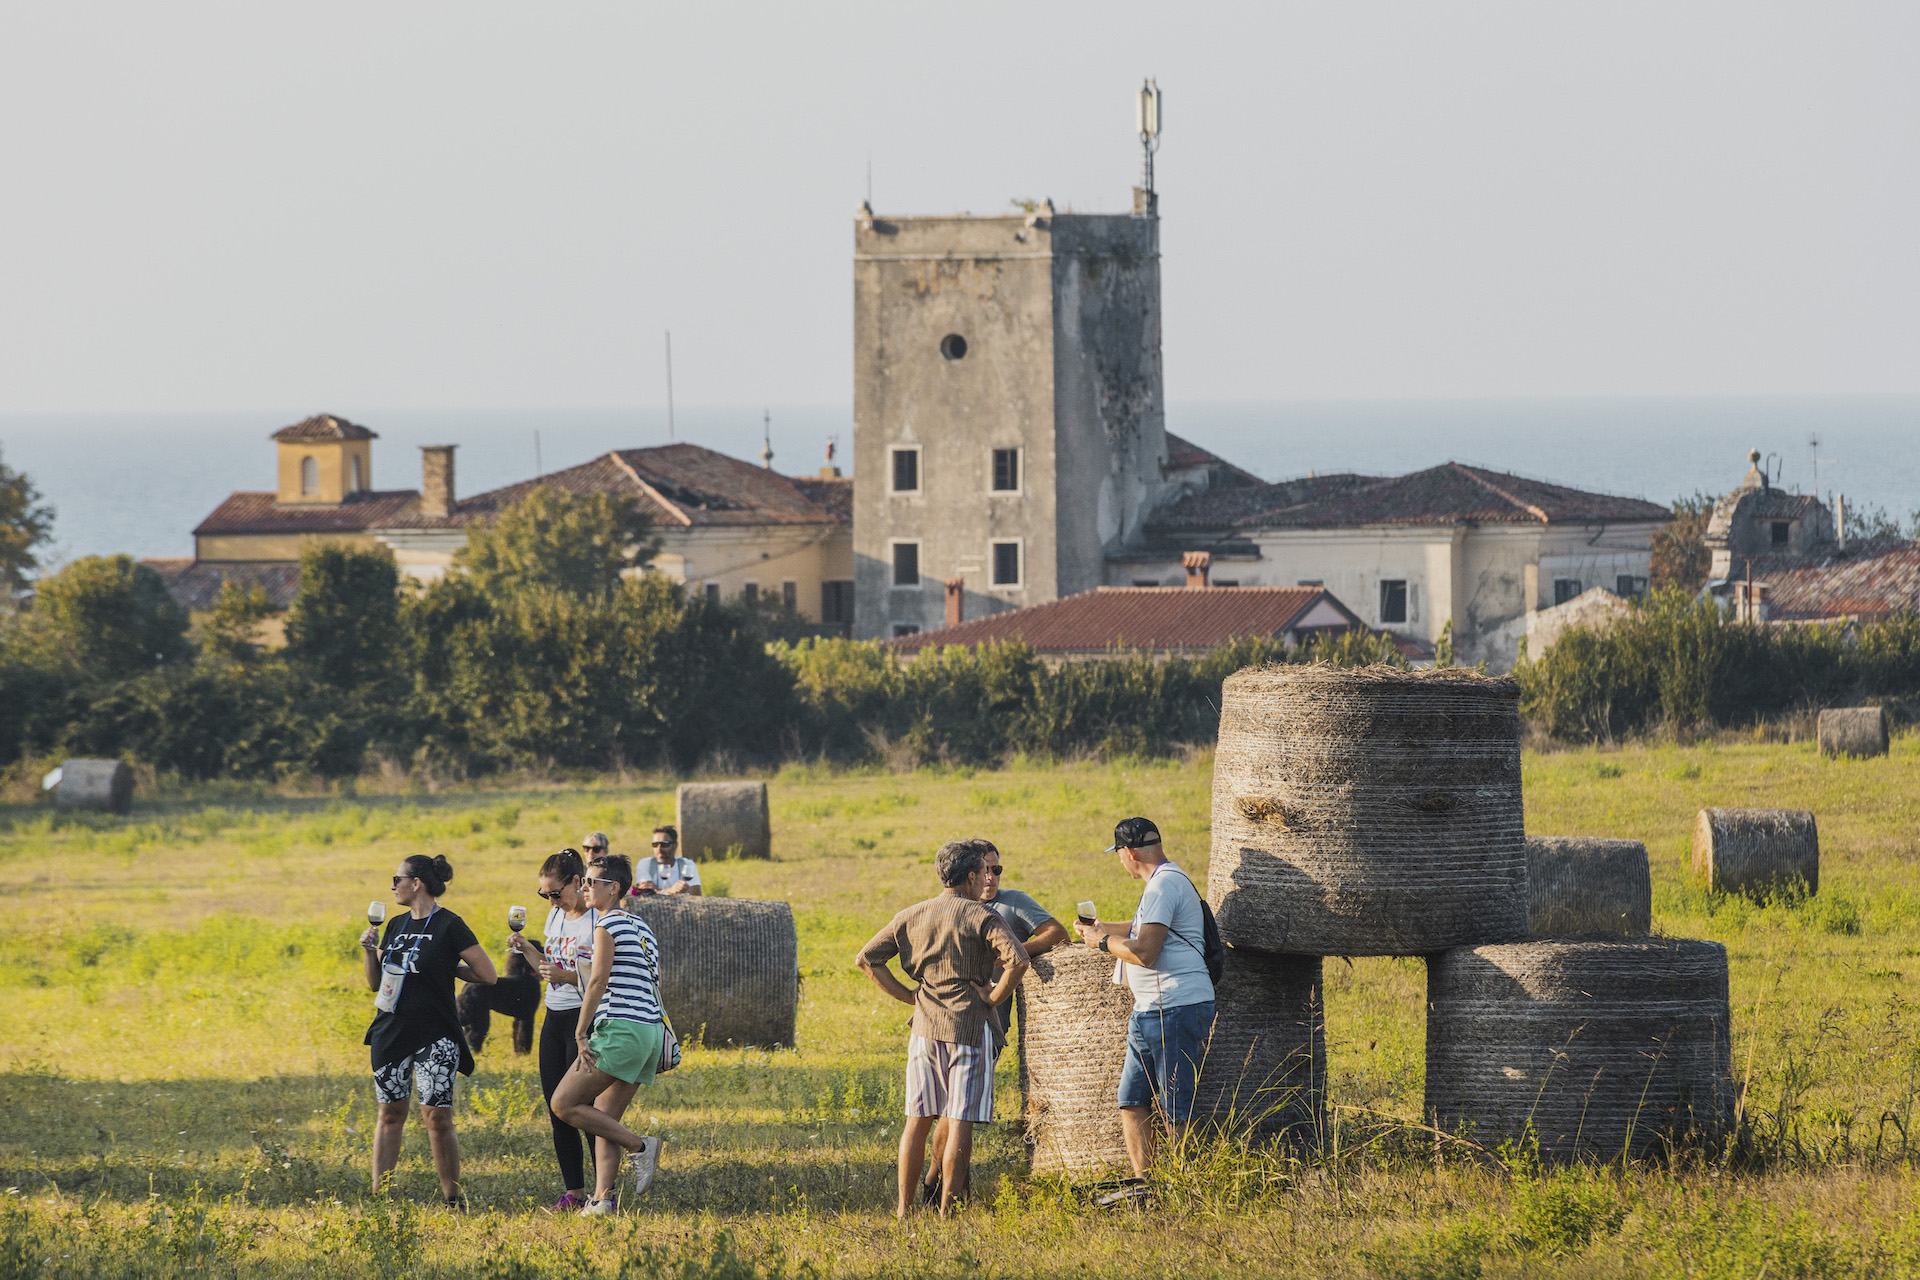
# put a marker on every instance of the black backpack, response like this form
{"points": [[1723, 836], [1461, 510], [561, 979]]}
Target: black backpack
{"points": [[1212, 950]]}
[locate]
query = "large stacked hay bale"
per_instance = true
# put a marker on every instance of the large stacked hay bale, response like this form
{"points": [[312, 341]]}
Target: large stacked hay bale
{"points": [[717, 817], [1756, 851], [1607, 1046], [1580, 885], [1853, 731], [729, 968], [1073, 1040], [1368, 811], [105, 786], [1266, 1064]]}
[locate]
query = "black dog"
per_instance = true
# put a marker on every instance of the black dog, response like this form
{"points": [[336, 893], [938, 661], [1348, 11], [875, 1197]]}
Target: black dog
{"points": [[516, 995]]}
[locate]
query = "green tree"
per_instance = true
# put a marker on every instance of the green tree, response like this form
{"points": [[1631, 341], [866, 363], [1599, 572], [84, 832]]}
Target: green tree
{"points": [[1680, 558], [235, 622], [344, 627], [579, 544], [111, 616], [25, 524]]}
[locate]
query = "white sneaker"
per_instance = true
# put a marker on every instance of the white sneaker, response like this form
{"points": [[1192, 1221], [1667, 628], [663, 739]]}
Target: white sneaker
{"points": [[646, 1161], [601, 1208]]}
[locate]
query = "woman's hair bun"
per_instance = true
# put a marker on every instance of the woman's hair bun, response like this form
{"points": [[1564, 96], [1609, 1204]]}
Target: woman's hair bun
{"points": [[442, 868]]}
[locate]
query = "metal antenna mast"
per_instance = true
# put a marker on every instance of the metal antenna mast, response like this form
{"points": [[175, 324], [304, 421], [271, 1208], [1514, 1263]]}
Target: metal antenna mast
{"points": [[1146, 119]]}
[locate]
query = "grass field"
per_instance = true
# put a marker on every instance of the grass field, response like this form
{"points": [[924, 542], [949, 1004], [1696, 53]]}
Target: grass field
{"points": [[185, 1091]]}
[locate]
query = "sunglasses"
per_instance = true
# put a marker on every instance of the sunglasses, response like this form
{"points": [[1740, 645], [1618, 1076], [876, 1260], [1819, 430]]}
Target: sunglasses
{"points": [[398, 879], [992, 871], [598, 880], [596, 848], [665, 844], [549, 897]]}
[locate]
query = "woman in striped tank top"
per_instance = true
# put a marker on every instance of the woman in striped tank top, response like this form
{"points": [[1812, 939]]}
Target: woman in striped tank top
{"points": [[620, 1045]]}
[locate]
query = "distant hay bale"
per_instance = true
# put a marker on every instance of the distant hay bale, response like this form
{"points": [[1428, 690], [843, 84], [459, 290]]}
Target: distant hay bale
{"points": [[714, 817], [104, 786], [1607, 1046], [1266, 1063], [729, 968], [1853, 731], [1580, 885], [1756, 851], [1073, 1040], [1367, 811], [1263, 1069]]}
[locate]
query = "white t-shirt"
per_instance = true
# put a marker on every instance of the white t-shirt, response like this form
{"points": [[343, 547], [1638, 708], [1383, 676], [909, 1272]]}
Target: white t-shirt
{"points": [[1179, 975], [663, 876], [569, 946]]}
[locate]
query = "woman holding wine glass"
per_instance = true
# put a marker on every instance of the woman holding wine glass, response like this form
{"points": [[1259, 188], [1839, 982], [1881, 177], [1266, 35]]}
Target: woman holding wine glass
{"points": [[571, 921], [415, 1036]]}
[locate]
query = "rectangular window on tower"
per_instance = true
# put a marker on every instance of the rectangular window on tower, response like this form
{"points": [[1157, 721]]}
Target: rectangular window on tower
{"points": [[1565, 589], [1393, 600], [906, 470], [836, 602], [1006, 471], [1006, 564], [906, 564]]}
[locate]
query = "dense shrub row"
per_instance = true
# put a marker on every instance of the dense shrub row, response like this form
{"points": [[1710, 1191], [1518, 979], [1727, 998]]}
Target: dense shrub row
{"points": [[1677, 662]]}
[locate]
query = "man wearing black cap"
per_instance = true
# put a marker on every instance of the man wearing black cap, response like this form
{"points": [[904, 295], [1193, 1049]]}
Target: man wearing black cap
{"points": [[1162, 954]]}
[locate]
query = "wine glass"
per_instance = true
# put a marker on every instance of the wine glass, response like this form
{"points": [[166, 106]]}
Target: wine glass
{"points": [[1087, 913], [516, 918], [376, 914]]}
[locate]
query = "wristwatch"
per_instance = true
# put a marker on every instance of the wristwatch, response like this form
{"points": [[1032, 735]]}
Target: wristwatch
{"points": [[1105, 938]]}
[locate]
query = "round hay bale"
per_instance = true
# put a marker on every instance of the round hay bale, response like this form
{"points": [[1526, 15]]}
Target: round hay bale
{"points": [[1756, 851], [1368, 811], [105, 786], [1607, 1046], [1266, 1066], [1580, 885], [729, 968], [1853, 731], [718, 818], [1073, 1040]]}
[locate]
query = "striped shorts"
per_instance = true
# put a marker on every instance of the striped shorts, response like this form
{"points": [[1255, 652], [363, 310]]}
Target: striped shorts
{"points": [[952, 1080]]}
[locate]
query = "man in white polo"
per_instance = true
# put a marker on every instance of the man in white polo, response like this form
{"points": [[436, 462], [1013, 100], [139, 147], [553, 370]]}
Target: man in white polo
{"points": [[664, 871]]}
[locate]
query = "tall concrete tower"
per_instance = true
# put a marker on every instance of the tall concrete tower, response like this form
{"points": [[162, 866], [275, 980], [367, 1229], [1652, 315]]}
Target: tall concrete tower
{"points": [[1009, 423]]}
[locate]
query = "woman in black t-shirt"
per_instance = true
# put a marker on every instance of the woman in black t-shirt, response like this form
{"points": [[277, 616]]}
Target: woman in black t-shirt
{"points": [[415, 1034]]}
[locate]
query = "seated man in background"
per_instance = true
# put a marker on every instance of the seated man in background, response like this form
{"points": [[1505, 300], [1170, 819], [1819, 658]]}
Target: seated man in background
{"points": [[1038, 933], [664, 871]]}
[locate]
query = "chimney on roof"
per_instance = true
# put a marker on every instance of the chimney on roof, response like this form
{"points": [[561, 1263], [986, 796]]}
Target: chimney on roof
{"points": [[956, 601], [1198, 565], [436, 479], [830, 472]]}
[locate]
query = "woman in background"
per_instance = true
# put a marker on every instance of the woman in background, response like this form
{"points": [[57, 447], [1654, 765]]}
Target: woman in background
{"points": [[415, 1034], [571, 921]]}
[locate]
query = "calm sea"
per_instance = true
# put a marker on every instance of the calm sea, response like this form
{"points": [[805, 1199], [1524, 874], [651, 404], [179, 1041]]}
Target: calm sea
{"points": [[140, 482]]}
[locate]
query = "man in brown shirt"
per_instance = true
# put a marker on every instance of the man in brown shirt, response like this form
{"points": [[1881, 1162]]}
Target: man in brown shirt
{"points": [[950, 946]]}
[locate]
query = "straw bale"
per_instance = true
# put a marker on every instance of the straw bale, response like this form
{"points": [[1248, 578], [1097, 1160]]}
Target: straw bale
{"points": [[729, 967], [105, 786], [1264, 1067], [1607, 1045], [1368, 811], [1581, 885], [1756, 851], [1853, 731], [714, 817]]}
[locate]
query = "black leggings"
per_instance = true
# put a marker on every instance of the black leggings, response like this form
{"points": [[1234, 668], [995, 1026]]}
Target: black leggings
{"points": [[557, 1052]]}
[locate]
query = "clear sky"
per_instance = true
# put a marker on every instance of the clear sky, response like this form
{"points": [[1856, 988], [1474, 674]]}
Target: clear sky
{"points": [[494, 205]]}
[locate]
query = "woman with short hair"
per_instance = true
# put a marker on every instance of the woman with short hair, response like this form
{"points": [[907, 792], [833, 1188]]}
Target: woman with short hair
{"points": [[415, 1036], [571, 921], [619, 1049]]}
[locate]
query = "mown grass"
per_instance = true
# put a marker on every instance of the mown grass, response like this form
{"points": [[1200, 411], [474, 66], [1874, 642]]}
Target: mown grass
{"points": [[185, 1090]]}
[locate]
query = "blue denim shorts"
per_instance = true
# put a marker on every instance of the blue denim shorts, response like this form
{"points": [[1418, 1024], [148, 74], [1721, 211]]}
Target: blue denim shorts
{"points": [[1164, 1050]]}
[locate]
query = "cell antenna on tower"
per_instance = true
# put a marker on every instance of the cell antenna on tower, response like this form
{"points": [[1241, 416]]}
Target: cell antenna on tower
{"points": [[1146, 119]]}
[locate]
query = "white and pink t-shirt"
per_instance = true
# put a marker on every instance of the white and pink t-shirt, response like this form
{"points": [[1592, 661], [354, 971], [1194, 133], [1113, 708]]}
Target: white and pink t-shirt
{"points": [[569, 946]]}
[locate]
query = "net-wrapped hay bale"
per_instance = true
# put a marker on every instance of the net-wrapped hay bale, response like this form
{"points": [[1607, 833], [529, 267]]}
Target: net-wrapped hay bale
{"points": [[729, 968], [104, 786], [1756, 851], [1368, 811], [1073, 1040], [1606, 1045], [1265, 1071], [1853, 731], [1580, 885], [715, 817]]}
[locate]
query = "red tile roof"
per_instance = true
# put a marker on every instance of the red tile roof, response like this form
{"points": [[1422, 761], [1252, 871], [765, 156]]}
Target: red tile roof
{"points": [[249, 513], [1143, 618], [1867, 580], [195, 586], [323, 426], [1452, 493], [1184, 455], [680, 485], [835, 493]]}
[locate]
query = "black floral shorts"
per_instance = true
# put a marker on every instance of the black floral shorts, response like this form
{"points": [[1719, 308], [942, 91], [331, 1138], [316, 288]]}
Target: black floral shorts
{"points": [[432, 1068]]}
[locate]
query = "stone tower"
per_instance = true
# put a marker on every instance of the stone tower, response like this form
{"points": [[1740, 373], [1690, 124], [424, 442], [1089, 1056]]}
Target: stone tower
{"points": [[1009, 426]]}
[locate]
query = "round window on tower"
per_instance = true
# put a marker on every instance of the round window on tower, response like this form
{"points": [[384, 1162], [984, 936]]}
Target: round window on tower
{"points": [[953, 346]]}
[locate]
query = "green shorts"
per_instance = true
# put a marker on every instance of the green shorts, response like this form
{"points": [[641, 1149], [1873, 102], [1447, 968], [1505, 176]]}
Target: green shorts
{"points": [[627, 1050]]}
